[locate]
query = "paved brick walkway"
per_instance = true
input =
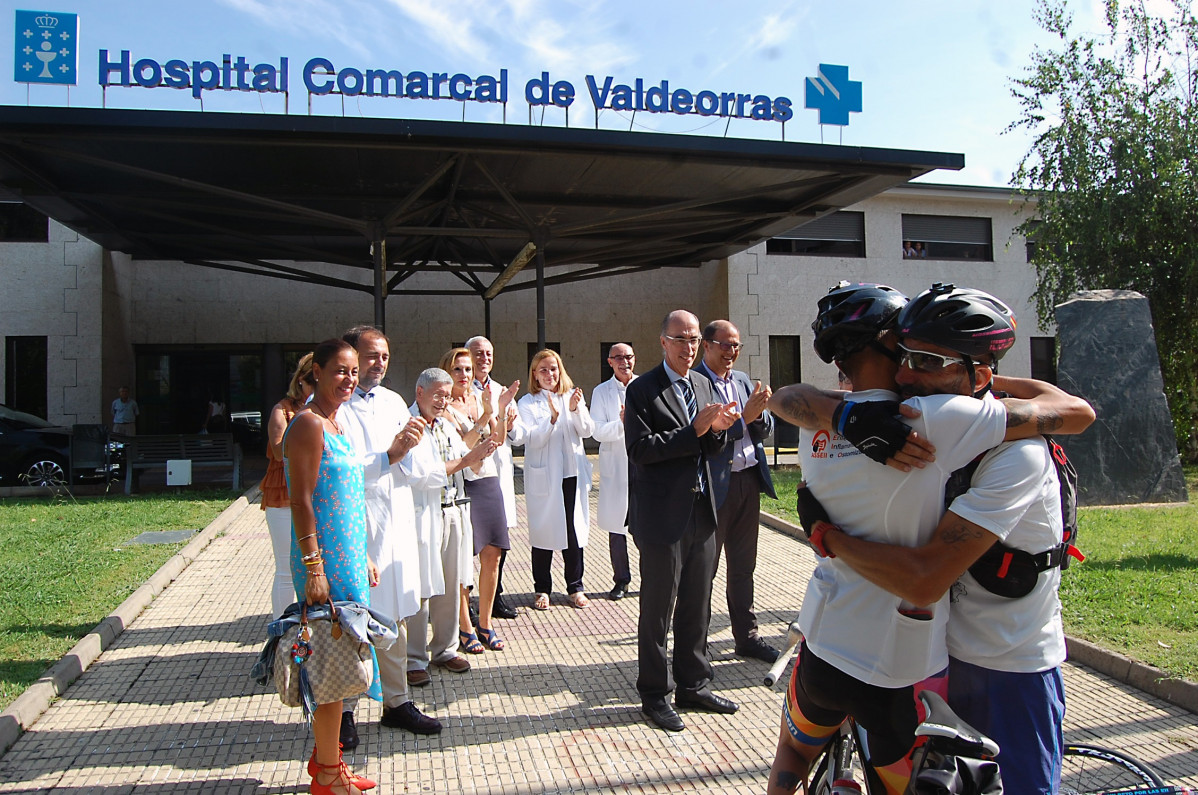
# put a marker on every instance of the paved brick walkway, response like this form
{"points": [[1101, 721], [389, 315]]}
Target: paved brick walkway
{"points": [[170, 708]]}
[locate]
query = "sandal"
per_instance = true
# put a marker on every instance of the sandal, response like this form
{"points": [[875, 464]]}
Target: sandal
{"points": [[491, 639], [579, 600], [541, 602], [470, 643]]}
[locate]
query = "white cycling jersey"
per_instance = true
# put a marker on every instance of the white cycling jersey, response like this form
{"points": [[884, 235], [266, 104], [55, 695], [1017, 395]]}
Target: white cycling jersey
{"points": [[863, 630]]}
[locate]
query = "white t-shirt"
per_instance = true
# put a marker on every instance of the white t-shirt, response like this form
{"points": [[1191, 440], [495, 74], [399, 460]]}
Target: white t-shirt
{"points": [[847, 620], [1016, 495]]}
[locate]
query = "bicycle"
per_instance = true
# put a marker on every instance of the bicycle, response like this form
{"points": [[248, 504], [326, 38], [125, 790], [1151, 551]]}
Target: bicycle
{"points": [[1093, 770], [1086, 769]]}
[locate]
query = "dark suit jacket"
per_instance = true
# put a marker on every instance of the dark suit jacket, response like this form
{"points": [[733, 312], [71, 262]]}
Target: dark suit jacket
{"points": [[763, 426], [665, 456]]}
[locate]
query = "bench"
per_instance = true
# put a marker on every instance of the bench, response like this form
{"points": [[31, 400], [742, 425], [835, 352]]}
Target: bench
{"points": [[203, 450]]}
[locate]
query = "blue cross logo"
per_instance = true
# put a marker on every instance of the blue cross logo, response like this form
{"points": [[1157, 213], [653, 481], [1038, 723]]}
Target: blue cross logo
{"points": [[833, 94], [46, 47]]}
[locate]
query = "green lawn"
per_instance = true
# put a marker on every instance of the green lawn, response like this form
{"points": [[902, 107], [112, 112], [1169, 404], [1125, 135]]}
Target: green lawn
{"points": [[66, 565], [1137, 590]]}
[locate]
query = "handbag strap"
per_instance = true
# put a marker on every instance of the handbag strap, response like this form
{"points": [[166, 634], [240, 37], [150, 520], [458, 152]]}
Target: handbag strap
{"points": [[304, 612]]}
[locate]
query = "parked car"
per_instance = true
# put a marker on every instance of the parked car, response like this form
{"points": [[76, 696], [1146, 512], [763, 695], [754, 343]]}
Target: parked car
{"points": [[246, 427], [34, 452]]}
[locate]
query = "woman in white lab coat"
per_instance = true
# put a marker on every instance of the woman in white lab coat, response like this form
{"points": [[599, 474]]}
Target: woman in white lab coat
{"points": [[557, 475]]}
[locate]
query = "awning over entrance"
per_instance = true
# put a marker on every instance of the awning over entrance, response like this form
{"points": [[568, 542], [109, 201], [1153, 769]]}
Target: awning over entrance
{"points": [[275, 194]]}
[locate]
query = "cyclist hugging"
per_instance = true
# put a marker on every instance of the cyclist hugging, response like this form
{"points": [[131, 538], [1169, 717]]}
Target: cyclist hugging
{"points": [[877, 624]]}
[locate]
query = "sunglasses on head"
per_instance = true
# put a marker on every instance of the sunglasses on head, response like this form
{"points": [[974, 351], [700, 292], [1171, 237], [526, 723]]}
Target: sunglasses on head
{"points": [[926, 362]]}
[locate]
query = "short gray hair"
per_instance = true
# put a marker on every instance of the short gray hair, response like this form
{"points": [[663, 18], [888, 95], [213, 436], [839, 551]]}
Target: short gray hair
{"points": [[476, 338], [431, 377]]}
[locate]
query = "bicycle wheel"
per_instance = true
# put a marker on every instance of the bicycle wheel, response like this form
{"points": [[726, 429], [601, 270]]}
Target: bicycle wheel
{"points": [[1091, 769]]}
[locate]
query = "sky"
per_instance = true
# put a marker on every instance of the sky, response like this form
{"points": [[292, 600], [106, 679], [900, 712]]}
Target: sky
{"points": [[935, 74]]}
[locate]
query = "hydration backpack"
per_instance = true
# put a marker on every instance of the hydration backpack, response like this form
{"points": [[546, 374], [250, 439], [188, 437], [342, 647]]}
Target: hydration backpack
{"points": [[1011, 572]]}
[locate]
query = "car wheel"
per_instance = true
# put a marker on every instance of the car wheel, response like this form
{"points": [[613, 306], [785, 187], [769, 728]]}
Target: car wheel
{"points": [[43, 471]]}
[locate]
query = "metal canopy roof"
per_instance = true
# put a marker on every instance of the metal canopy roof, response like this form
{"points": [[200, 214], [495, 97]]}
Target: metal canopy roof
{"points": [[273, 194]]}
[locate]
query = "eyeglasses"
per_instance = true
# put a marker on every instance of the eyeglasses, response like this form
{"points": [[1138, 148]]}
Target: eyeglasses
{"points": [[626, 358], [440, 401], [926, 362], [692, 342], [726, 347]]}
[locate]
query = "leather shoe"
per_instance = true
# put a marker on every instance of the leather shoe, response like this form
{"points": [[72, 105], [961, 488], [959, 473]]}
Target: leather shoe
{"points": [[758, 649], [456, 664], [709, 702], [349, 732], [663, 716], [418, 677], [406, 716], [619, 592], [502, 609]]}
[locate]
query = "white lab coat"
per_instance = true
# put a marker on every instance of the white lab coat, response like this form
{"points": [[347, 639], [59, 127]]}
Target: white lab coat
{"points": [[503, 454], [546, 448], [427, 481], [371, 426], [606, 402]]}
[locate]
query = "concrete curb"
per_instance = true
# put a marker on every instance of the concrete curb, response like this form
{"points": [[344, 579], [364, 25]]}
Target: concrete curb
{"points": [[1179, 692], [37, 698]]}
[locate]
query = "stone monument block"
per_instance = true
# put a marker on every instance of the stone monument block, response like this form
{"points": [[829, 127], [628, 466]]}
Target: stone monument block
{"points": [[1108, 356]]}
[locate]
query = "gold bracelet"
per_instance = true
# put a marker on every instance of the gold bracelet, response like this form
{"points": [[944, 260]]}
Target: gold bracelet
{"points": [[316, 562]]}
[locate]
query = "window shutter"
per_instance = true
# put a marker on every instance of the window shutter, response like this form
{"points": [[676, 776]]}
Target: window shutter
{"points": [[946, 229], [844, 226]]}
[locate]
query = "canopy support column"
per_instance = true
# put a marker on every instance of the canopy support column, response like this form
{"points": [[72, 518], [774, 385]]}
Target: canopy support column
{"points": [[378, 248]]}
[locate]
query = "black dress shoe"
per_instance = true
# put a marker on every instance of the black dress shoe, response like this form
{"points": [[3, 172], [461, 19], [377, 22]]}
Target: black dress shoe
{"points": [[619, 592], [663, 716], [502, 609], [758, 649], [706, 701], [406, 716], [349, 732]]}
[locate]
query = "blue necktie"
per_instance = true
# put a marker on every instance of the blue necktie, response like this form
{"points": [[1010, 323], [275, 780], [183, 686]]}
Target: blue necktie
{"points": [[692, 406]]}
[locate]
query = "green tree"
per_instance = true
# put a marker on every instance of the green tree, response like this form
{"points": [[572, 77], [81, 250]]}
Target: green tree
{"points": [[1112, 174]]}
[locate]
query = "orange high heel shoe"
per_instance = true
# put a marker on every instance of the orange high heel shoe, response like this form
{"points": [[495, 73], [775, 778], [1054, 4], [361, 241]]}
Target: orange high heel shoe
{"points": [[361, 782]]}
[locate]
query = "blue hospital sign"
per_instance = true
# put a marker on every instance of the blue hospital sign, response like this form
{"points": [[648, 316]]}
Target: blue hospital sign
{"points": [[833, 94], [46, 47]]}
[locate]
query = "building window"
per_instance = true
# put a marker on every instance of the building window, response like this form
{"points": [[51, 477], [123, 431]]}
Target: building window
{"points": [[20, 223], [1044, 358], [533, 348], [947, 237], [839, 234], [785, 368], [25, 379]]}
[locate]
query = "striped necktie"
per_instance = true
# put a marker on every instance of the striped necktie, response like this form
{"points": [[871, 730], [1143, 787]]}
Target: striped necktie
{"points": [[692, 406]]}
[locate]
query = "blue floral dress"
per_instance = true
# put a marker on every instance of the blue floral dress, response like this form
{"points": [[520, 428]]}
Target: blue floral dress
{"points": [[339, 502]]}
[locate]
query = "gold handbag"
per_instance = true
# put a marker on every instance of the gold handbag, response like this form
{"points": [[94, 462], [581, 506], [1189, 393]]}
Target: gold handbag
{"points": [[317, 662]]}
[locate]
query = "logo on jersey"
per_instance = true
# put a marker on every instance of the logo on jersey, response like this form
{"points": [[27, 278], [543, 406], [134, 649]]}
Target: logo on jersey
{"points": [[819, 445]]}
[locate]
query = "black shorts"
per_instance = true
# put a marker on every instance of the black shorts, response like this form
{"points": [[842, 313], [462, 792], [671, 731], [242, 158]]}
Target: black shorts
{"points": [[821, 697]]}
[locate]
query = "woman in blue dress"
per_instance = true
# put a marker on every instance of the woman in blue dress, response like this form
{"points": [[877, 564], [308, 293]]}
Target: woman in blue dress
{"points": [[328, 555]]}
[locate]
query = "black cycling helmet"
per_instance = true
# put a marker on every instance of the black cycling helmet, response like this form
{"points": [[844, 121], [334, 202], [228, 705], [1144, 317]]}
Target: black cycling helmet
{"points": [[971, 322], [851, 316]]}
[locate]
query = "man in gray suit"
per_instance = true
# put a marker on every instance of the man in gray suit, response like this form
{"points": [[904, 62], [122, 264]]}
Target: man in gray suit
{"points": [[739, 474]]}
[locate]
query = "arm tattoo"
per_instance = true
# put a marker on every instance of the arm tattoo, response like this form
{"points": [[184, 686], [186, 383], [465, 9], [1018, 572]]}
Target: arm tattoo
{"points": [[797, 409], [1022, 412], [959, 533], [1048, 421], [1019, 412]]}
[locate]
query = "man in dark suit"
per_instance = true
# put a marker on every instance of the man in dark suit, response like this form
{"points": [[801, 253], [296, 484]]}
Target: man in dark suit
{"points": [[672, 425], [740, 473]]}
